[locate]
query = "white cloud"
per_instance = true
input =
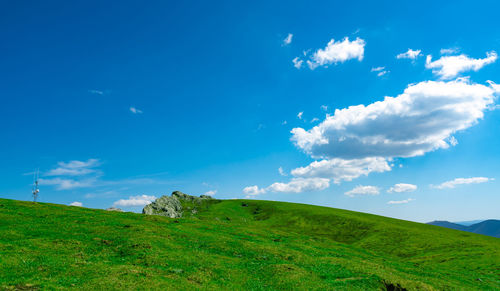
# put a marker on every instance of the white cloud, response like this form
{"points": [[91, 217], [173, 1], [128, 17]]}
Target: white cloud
{"points": [[296, 185], [76, 203], [452, 140], [324, 107], [419, 120], [299, 115], [135, 110], [448, 51], [282, 173], [140, 200], [410, 54], [363, 190], [211, 192], [401, 201], [253, 190], [462, 181], [448, 67], [380, 71], [74, 168], [67, 184], [288, 39], [297, 62], [96, 92], [338, 52], [342, 170], [314, 119], [402, 187]]}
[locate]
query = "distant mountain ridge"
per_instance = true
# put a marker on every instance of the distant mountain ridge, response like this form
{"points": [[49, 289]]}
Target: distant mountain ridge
{"points": [[489, 227]]}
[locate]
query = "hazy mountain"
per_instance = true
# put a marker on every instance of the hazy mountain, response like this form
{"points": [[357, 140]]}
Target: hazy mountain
{"points": [[489, 227], [469, 222]]}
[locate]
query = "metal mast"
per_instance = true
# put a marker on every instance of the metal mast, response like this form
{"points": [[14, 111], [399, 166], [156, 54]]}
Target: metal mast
{"points": [[34, 189]]}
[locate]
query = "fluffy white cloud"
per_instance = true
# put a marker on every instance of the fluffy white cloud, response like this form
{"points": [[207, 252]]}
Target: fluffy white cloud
{"points": [[140, 200], [342, 170], [296, 185], [299, 115], [448, 67], [363, 190], [288, 39], [419, 120], [401, 201], [253, 190], [338, 52], [135, 110], [74, 168], [462, 181], [211, 192], [410, 54], [402, 187], [76, 203], [297, 62]]}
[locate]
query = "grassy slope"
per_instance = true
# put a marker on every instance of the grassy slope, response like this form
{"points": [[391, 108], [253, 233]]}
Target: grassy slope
{"points": [[227, 246]]}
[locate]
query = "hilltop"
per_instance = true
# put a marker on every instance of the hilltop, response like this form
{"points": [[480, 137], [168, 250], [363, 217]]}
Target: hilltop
{"points": [[236, 244]]}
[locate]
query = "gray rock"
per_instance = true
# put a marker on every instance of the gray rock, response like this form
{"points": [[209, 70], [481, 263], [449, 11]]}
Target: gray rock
{"points": [[169, 206], [114, 209]]}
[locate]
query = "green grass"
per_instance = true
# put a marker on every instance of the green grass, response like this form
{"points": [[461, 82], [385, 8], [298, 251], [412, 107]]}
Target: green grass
{"points": [[264, 245]]}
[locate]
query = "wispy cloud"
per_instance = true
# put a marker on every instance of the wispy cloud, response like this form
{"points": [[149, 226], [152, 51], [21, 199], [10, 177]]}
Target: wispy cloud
{"points": [[135, 110], [462, 181], [86, 174], [96, 92], [68, 184], [363, 190], [448, 51], [401, 201], [380, 71], [288, 39], [297, 62], [402, 187], [74, 168], [281, 171]]}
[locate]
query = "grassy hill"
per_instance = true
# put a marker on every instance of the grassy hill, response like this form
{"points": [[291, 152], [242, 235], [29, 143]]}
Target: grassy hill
{"points": [[237, 244]]}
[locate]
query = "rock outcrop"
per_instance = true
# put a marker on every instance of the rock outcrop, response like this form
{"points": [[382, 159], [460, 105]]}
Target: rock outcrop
{"points": [[171, 206]]}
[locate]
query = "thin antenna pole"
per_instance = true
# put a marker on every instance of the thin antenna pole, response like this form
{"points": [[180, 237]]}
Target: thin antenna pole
{"points": [[35, 189]]}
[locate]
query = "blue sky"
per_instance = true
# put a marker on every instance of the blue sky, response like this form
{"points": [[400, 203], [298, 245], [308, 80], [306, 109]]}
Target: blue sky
{"points": [[120, 102]]}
